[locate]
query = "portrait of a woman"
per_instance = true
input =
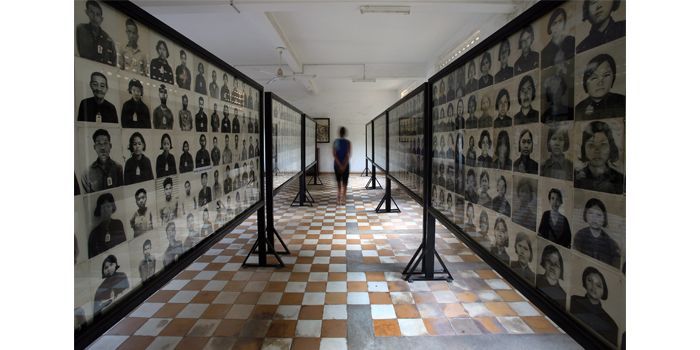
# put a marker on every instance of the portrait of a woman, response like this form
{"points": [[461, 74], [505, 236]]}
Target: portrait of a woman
{"points": [[113, 284], [138, 166], [472, 83], [589, 309], [109, 232], [472, 121], [498, 249], [548, 282], [484, 185], [598, 80], [484, 159], [486, 78], [186, 160], [560, 41], [502, 107], [470, 192], [603, 27], [165, 163], [526, 95], [529, 59], [526, 204], [160, 68], [557, 165], [523, 249], [502, 157], [471, 152], [505, 70], [554, 226], [500, 202], [593, 240], [598, 152]]}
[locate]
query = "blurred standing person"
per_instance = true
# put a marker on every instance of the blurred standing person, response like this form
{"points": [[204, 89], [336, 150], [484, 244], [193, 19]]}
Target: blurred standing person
{"points": [[342, 150]]}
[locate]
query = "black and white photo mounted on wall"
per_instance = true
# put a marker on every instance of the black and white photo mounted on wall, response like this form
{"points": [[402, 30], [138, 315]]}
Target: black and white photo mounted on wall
{"points": [[600, 74], [555, 211], [553, 271], [525, 201], [600, 163], [323, 127], [599, 226], [522, 252], [96, 93], [99, 160], [96, 27]]}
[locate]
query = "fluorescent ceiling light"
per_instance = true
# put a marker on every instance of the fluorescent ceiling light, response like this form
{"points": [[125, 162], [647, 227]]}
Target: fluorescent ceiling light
{"points": [[401, 10], [364, 80]]}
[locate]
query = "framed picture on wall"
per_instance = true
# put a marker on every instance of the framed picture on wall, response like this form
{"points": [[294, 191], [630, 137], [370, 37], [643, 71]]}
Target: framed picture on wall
{"points": [[323, 130]]}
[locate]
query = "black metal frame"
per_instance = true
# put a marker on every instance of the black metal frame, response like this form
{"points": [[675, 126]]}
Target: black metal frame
{"points": [[102, 322], [372, 183], [386, 199], [565, 321], [316, 178], [303, 197]]}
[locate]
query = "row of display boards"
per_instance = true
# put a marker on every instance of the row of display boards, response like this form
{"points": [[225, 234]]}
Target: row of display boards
{"points": [[156, 182], [524, 161]]}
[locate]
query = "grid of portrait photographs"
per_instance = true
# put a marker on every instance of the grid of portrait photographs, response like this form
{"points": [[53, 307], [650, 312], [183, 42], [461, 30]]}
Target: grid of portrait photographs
{"points": [[310, 142], [154, 174], [406, 138], [286, 143], [379, 125], [528, 157]]}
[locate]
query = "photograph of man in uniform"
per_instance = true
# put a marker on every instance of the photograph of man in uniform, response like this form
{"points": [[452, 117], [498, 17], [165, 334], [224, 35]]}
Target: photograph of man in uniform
{"points": [[202, 157], [160, 68], [225, 122], [135, 113], [183, 77], [190, 200], [104, 172], [207, 227], [227, 153], [215, 152], [93, 42], [200, 119], [109, 232], [213, 86], [147, 266], [215, 119], [131, 57], [96, 108], [200, 83], [186, 162], [174, 249], [225, 92], [217, 185], [204, 196], [142, 220], [228, 181], [185, 115], [169, 208], [236, 126], [162, 115]]}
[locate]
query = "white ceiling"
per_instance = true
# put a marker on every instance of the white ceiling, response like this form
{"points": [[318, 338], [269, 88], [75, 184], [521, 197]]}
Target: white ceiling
{"points": [[331, 39]]}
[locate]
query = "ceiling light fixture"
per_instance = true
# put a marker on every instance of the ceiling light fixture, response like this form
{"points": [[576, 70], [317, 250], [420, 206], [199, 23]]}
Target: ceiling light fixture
{"points": [[458, 51], [399, 10]]}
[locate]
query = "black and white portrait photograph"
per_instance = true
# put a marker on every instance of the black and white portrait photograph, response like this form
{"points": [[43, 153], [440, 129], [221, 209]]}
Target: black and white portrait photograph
{"points": [[603, 22], [555, 211], [214, 77], [164, 103], [215, 152], [160, 67], [522, 251], [502, 106], [133, 46], [204, 190], [202, 157], [174, 248], [486, 69], [525, 201], [185, 145], [554, 265], [600, 91], [136, 98], [200, 76], [80, 230], [558, 30], [485, 187], [167, 154], [505, 59], [486, 111], [189, 183], [597, 298], [471, 186], [99, 160], [139, 149], [105, 212], [183, 70], [528, 110], [528, 156], [501, 197], [471, 81], [599, 226], [140, 209], [557, 151], [484, 228], [600, 165], [557, 92], [96, 29], [185, 109], [500, 239], [168, 200], [528, 49], [110, 272], [146, 256], [96, 93], [485, 145], [201, 113]]}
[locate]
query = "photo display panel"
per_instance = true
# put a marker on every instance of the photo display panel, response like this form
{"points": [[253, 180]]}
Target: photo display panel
{"points": [[380, 141], [286, 143], [406, 149], [310, 142], [368, 136], [166, 152], [529, 157]]}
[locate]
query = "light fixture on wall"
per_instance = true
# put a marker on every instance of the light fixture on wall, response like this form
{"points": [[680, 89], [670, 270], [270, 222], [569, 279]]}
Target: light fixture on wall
{"points": [[458, 51], [364, 79], [399, 10]]}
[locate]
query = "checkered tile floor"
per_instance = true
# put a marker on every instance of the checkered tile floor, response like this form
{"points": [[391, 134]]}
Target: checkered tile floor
{"points": [[341, 256]]}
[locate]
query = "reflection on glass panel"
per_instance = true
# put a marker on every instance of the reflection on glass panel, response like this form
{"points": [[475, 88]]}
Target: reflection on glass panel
{"points": [[406, 138], [286, 143], [380, 141], [310, 141]]}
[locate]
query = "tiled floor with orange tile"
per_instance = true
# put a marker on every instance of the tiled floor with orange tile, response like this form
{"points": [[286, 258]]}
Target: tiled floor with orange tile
{"points": [[341, 289]]}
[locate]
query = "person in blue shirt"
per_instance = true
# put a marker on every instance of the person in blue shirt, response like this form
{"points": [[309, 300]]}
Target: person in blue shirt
{"points": [[342, 149]]}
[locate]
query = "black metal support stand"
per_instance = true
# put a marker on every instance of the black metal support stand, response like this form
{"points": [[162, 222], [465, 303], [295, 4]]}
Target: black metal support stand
{"points": [[263, 247], [317, 173], [425, 256], [387, 200], [366, 171], [373, 183]]}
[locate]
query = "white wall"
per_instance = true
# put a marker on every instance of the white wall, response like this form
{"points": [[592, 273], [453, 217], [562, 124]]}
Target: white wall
{"points": [[351, 109]]}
